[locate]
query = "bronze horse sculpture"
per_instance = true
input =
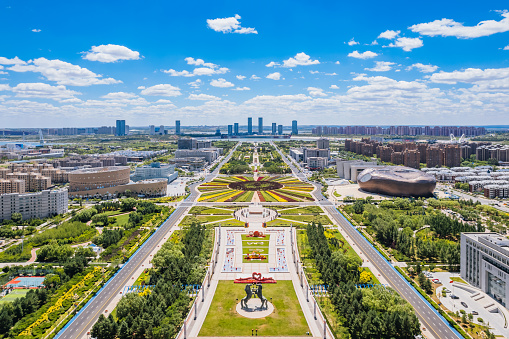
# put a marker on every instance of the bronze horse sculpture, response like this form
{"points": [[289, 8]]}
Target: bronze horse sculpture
{"points": [[249, 295]]}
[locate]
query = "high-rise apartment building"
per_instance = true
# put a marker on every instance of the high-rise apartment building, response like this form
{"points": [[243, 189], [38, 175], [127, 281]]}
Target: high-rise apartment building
{"points": [[322, 143], [295, 130], [260, 125], [250, 126], [452, 156], [434, 157], [161, 129], [120, 128], [412, 158], [230, 129], [279, 129], [236, 128], [274, 128], [152, 129], [177, 127]]}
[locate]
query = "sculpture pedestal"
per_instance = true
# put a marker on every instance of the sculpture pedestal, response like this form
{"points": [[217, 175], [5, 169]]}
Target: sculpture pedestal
{"points": [[253, 309]]}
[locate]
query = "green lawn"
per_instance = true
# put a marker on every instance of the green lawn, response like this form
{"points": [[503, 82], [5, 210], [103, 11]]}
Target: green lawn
{"points": [[189, 219], [260, 245], [323, 219], [287, 320], [266, 238], [458, 279], [121, 220], [206, 210], [14, 295], [302, 210], [227, 223]]}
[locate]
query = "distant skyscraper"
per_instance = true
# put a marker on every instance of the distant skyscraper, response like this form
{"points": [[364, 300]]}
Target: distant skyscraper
{"points": [[280, 129], [120, 128], [260, 125], [177, 127], [249, 126], [274, 126], [161, 129], [236, 128], [152, 129], [295, 130], [230, 129]]}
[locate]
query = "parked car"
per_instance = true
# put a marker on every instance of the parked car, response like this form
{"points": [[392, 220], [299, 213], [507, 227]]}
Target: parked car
{"points": [[436, 281], [454, 296], [464, 304], [474, 313], [446, 290]]}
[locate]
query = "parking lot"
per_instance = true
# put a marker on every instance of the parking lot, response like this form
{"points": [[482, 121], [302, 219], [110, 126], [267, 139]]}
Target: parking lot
{"points": [[495, 320]]}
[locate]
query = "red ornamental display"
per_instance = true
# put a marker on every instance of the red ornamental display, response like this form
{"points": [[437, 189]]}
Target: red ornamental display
{"points": [[256, 234], [255, 279]]}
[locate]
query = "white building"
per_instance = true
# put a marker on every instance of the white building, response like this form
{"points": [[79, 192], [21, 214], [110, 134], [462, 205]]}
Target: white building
{"points": [[317, 163], [485, 263], [34, 205], [350, 169], [155, 171]]}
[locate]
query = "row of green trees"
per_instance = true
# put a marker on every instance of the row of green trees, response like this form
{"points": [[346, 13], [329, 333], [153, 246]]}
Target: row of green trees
{"points": [[159, 314], [367, 313]]}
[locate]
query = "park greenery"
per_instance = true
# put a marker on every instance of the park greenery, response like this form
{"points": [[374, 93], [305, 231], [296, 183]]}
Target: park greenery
{"points": [[366, 313], [160, 312], [413, 231]]}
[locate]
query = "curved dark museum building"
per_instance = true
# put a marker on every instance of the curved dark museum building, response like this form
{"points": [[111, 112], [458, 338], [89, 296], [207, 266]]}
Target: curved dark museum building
{"points": [[397, 181]]}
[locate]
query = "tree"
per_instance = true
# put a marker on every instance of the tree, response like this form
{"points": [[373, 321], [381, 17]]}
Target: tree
{"points": [[365, 277], [16, 217], [127, 204]]}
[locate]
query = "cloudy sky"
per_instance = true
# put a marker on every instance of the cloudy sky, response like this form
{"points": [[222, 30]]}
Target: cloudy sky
{"points": [[214, 63]]}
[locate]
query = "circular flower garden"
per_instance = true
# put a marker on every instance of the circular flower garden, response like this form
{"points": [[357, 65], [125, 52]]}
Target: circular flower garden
{"points": [[267, 189]]}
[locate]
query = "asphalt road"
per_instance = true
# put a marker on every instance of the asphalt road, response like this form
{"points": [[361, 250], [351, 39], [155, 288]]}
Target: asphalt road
{"points": [[432, 322], [83, 322]]}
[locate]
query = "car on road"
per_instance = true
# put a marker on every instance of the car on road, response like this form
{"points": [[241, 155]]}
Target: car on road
{"points": [[454, 296], [437, 281], [446, 290], [474, 313], [464, 304]]}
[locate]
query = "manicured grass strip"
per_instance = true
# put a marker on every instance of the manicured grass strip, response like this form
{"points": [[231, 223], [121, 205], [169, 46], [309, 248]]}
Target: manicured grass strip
{"points": [[245, 237], [13, 295], [287, 320]]}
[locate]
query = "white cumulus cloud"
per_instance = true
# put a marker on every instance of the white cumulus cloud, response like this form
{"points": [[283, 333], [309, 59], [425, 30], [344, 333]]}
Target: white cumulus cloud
{"points": [[316, 92], [13, 61], [364, 55], [423, 68], [195, 84], [352, 42], [381, 66], [274, 76], [407, 44], [63, 73], [388, 34], [203, 97], [448, 27], [110, 53], [42, 90], [300, 59], [163, 90], [221, 83], [241, 89], [334, 87], [36, 30], [240, 77], [229, 25]]}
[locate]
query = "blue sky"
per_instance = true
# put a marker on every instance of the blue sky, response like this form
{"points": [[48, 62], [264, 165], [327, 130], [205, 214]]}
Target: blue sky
{"points": [[207, 63]]}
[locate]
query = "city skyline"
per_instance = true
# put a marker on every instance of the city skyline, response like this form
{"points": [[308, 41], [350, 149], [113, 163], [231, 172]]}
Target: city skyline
{"points": [[440, 65]]}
